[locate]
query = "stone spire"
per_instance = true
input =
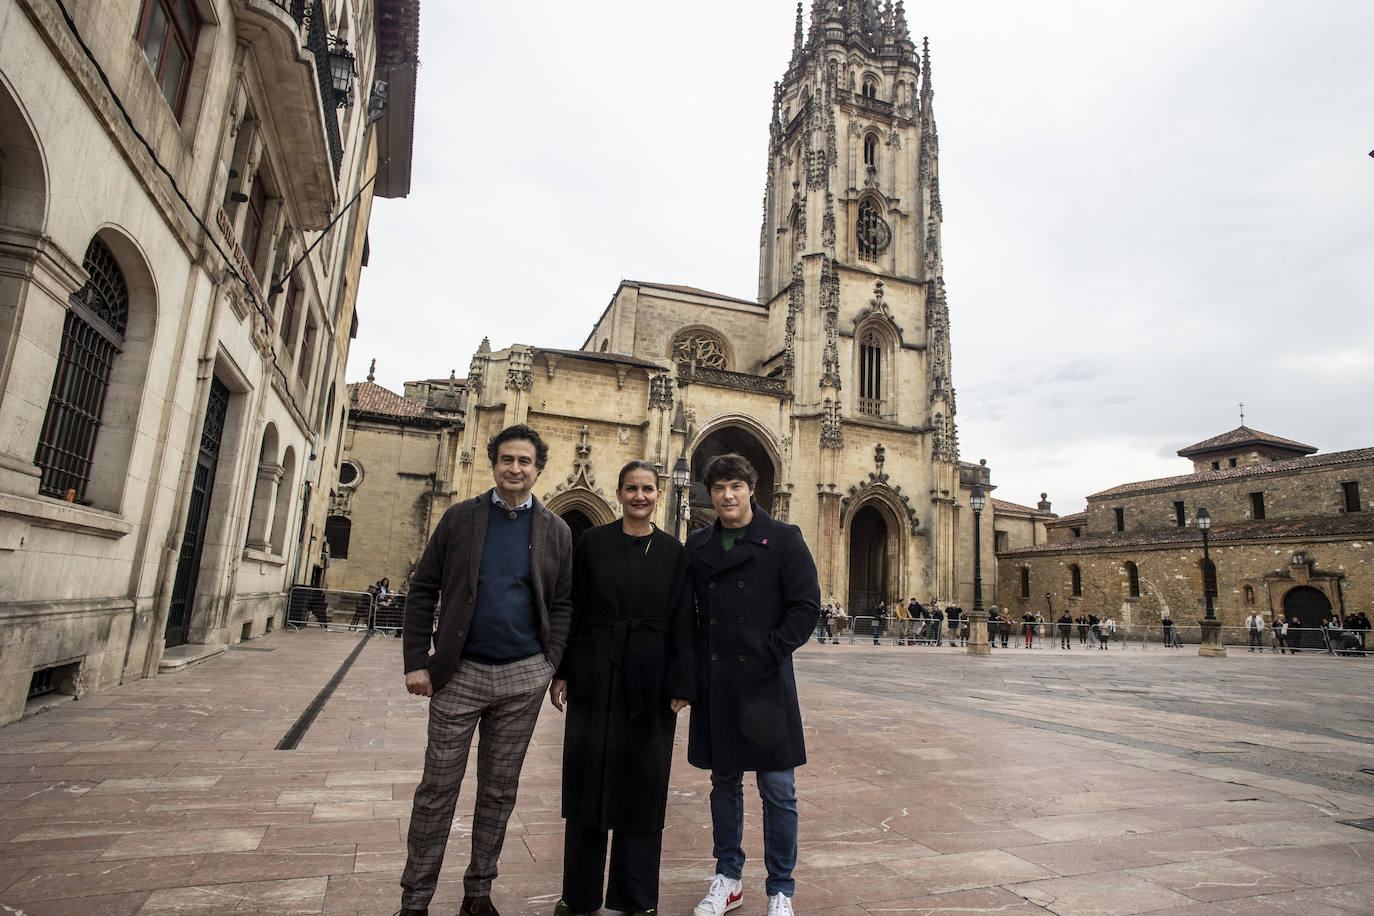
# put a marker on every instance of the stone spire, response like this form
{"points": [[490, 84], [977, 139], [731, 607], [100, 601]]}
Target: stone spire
{"points": [[899, 26], [797, 37], [372, 370]]}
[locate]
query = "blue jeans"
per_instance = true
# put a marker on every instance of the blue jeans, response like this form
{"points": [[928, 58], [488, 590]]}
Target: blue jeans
{"points": [[778, 789]]}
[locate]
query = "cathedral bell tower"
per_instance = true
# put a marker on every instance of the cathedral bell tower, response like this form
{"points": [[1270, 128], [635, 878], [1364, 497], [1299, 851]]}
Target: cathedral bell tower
{"points": [[850, 269]]}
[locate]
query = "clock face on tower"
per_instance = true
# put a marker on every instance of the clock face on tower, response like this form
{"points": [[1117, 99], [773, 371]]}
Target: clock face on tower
{"points": [[873, 232]]}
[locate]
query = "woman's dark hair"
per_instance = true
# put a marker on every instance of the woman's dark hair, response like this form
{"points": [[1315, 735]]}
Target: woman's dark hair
{"points": [[639, 464], [729, 466], [519, 431]]}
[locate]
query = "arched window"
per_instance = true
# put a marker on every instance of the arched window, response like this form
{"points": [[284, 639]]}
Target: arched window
{"points": [[870, 149], [1249, 594], [871, 231], [870, 90], [1132, 580], [92, 337], [1075, 581], [264, 493], [1209, 579], [872, 364], [699, 348], [286, 488], [337, 530]]}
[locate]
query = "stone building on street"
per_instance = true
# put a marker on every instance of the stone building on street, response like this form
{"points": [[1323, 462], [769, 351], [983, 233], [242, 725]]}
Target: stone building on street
{"points": [[1291, 534], [185, 188]]}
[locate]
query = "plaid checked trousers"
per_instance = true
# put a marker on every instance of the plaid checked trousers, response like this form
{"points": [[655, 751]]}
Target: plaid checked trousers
{"points": [[501, 703]]}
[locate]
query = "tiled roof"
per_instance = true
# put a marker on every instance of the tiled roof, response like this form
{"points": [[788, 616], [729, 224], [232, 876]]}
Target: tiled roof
{"points": [[690, 290], [371, 398], [1077, 518], [1255, 470], [1241, 436], [1351, 524], [1001, 505]]}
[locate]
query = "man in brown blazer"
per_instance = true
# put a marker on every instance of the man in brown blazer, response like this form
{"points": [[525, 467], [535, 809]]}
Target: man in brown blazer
{"points": [[502, 563]]}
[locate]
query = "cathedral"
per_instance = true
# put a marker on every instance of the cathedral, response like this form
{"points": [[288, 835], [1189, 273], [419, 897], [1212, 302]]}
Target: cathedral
{"points": [[835, 381]]}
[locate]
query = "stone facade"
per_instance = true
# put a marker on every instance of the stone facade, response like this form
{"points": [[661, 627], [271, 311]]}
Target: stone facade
{"points": [[173, 339], [835, 381], [1290, 534]]}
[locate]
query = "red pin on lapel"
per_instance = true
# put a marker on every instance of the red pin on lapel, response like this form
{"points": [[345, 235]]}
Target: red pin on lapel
{"points": [[765, 542]]}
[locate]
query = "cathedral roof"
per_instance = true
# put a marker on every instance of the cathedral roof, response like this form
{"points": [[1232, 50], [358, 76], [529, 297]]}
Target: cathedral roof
{"points": [[1256, 470], [1354, 523], [371, 399], [1241, 437], [690, 290]]}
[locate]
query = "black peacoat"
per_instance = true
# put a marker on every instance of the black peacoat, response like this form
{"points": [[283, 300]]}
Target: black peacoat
{"points": [[756, 604]]}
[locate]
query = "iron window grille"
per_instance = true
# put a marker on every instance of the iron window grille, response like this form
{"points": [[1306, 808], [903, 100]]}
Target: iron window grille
{"points": [[92, 336]]}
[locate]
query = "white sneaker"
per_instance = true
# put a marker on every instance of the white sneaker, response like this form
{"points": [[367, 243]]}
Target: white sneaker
{"points": [[780, 905], [724, 895]]}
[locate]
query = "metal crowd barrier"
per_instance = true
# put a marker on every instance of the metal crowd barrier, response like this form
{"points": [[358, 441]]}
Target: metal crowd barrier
{"points": [[1046, 635], [329, 609]]}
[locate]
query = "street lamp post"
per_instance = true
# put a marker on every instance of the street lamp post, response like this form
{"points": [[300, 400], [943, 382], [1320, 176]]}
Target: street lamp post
{"points": [[682, 479], [978, 618], [1211, 627]]}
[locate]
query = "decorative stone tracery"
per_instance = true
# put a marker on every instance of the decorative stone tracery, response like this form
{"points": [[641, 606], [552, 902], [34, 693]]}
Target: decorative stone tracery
{"points": [[699, 349]]}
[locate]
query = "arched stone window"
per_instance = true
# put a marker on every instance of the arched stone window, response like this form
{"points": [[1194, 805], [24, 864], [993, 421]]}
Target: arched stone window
{"points": [[872, 369], [286, 488], [92, 337], [264, 493], [870, 149], [699, 348], [1132, 580], [870, 88], [1249, 594], [872, 235], [1075, 581]]}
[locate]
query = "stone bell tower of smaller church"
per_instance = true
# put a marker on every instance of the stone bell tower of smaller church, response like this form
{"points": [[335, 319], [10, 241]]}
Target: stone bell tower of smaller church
{"points": [[850, 269]]}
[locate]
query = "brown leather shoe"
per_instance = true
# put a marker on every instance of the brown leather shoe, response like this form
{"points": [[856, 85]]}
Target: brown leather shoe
{"points": [[477, 906]]}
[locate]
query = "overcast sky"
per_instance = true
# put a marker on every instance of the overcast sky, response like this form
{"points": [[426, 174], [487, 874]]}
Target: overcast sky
{"points": [[1151, 213]]}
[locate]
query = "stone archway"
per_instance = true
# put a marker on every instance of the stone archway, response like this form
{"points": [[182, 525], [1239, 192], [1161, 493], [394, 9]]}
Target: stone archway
{"points": [[871, 561], [578, 523], [721, 441], [1306, 608]]}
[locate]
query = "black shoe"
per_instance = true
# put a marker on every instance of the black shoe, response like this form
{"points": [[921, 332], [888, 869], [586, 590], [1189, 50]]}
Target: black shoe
{"points": [[404, 911], [477, 906]]}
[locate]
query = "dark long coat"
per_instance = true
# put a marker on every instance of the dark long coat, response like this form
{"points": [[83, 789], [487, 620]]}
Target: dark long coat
{"points": [[756, 605], [632, 650]]}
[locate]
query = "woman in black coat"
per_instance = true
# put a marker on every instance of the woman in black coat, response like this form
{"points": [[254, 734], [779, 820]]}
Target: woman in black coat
{"points": [[628, 669]]}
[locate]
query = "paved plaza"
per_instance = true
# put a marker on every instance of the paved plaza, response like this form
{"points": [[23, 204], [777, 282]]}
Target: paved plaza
{"points": [[1033, 781]]}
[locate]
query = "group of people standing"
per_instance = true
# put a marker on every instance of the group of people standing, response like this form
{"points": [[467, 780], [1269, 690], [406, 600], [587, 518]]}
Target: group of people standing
{"points": [[912, 624], [624, 633]]}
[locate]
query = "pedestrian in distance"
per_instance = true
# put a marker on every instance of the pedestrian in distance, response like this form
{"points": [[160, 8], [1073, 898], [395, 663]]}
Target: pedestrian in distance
{"points": [[1254, 626], [1168, 624], [502, 564], [629, 667], [757, 596], [1065, 630]]}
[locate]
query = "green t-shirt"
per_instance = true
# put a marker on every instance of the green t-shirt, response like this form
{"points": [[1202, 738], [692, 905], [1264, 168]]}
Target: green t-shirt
{"points": [[729, 537]]}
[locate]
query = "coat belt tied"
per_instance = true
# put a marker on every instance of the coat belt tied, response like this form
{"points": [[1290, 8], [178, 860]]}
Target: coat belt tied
{"points": [[631, 638]]}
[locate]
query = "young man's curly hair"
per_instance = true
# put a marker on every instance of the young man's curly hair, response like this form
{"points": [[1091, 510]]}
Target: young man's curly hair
{"points": [[519, 431], [730, 466]]}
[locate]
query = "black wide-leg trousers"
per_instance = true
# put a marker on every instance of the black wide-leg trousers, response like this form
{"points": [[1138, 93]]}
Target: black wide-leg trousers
{"points": [[633, 881]]}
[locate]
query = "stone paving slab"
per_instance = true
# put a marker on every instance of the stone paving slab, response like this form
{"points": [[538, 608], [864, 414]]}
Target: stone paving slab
{"points": [[1030, 782]]}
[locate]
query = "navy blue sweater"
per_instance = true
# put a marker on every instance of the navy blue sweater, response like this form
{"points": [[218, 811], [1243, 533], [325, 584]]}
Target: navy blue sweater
{"points": [[505, 624]]}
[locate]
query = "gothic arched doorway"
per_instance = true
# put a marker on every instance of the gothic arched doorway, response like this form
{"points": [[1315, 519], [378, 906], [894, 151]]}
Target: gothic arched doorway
{"points": [[721, 442], [869, 562], [1306, 608], [578, 523]]}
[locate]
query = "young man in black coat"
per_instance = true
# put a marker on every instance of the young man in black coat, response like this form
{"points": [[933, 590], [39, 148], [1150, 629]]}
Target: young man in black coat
{"points": [[757, 597]]}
